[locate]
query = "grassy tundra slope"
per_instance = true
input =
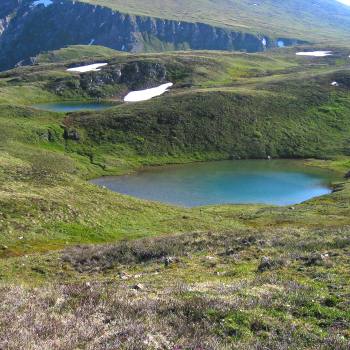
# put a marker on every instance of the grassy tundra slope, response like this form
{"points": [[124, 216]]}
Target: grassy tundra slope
{"points": [[76, 52], [84, 268], [291, 19]]}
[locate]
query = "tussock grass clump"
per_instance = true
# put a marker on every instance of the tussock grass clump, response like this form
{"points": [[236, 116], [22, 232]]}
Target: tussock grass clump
{"points": [[85, 258]]}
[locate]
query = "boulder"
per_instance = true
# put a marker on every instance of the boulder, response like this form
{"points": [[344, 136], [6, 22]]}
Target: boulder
{"points": [[71, 135], [124, 276], [271, 264], [265, 264], [168, 260], [138, 287]]}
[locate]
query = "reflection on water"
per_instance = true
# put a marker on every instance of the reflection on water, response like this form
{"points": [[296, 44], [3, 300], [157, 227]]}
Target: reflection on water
{"points": [[279, 182], [66, 107]]}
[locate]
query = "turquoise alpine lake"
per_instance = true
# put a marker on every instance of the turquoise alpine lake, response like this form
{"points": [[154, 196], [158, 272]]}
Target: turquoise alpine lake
{"points": [[277, 182], [73, 106]]}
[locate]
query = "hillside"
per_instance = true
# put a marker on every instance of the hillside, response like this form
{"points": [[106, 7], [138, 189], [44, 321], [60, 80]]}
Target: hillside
{"points": [[305, 20], [86, 268], [28, 28], [76, 52], [283, 104]]}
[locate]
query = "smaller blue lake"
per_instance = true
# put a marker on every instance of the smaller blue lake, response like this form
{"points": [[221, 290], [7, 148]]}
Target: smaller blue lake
{"points": [[278, 182], [72, 106]]}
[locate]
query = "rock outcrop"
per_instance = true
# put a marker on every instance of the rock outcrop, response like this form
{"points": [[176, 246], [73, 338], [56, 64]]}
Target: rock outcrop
{"points": [[108, 82], [7, 9]]}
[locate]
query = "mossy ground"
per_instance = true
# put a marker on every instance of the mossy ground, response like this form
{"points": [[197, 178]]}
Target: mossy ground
{"points": [[236, 276]]}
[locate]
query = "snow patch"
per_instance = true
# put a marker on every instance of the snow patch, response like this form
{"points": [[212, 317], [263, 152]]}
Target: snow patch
{"points": [[334, 83], [315, 53], [144, 95], [91, 42], [42, 2], [89, 68]]}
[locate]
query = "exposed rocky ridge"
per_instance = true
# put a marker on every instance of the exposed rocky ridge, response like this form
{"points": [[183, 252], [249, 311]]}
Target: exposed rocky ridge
{"points": [[113, 79], [7, 9], [33, 29], [3, 24]]}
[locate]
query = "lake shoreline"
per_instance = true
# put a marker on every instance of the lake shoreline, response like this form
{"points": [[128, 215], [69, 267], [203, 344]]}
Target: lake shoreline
{"points": [[309, 162], [74, 106], [257, 167]]}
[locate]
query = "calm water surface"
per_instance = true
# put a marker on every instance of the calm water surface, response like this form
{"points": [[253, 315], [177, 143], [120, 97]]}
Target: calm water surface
{"points": [[279, 182], [66, 107]]}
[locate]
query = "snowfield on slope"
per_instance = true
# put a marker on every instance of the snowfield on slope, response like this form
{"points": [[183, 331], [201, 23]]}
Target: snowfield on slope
{"points": [[42, 2], [144, 95], [89, 68], [315, 53]]}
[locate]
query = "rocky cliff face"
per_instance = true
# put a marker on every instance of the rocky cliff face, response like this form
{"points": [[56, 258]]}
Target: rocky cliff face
{"points": [[28, 27], [7, 9], [113, 80]]}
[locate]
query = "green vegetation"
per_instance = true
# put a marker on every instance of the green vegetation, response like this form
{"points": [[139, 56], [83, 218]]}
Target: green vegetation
{"points": [[80, 52], [84, 268], [305, 20]]}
